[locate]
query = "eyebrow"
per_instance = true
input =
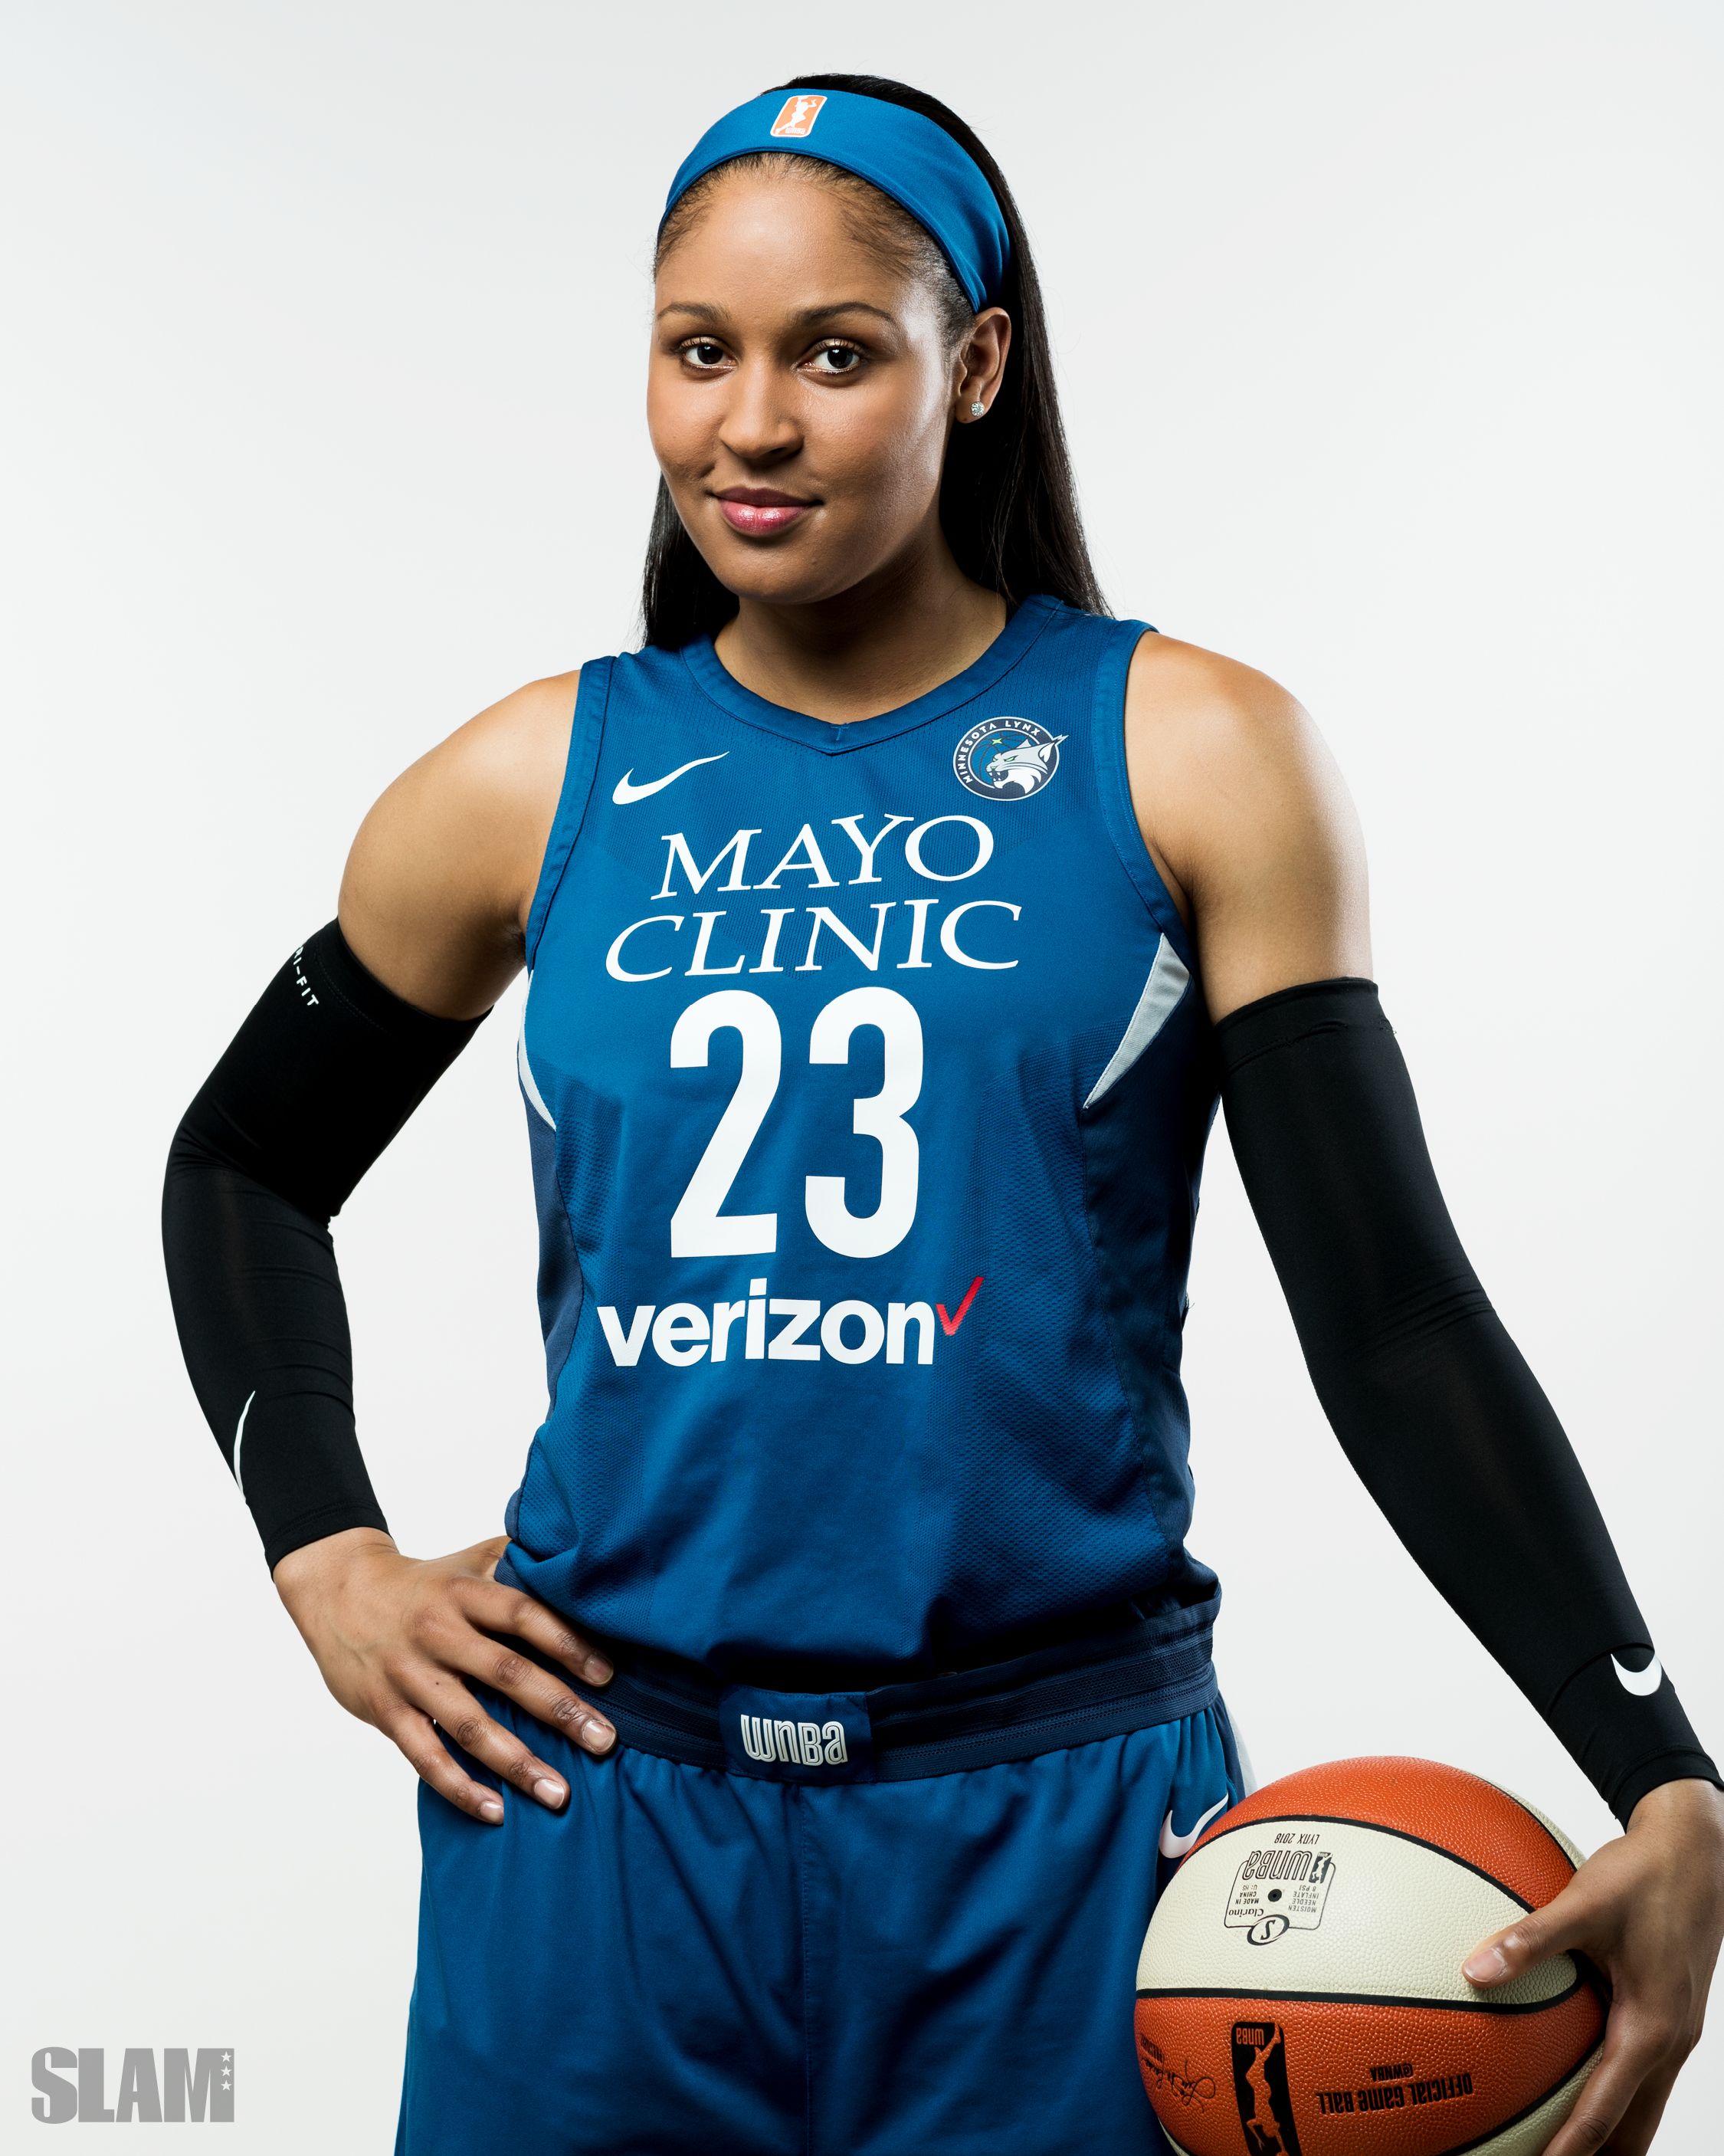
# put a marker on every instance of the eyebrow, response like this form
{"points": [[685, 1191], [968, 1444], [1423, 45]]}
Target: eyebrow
{"points": [[704, 312]]}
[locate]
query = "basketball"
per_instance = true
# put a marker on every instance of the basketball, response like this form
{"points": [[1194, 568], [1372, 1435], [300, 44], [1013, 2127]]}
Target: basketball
{"points": [[1301, 1982]]}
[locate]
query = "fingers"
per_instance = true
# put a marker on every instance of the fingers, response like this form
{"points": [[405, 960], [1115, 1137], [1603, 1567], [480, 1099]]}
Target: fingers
{"points": [[422, 1697], [1558, 1927], [1626, 2096], [440, 1696], [489, 1609], [501, 1609], [1610, 2088], [1647, 1909], [451, 1634], [1640, 2122], [498, 1665], [415, 1735]]}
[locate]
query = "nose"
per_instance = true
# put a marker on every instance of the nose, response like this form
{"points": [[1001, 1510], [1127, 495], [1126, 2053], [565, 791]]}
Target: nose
{"points": [[760, 425]]}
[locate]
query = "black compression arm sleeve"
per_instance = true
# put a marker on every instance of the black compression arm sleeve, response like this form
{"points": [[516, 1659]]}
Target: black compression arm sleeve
{"points": [[1432, 1403], [321, 1076]]}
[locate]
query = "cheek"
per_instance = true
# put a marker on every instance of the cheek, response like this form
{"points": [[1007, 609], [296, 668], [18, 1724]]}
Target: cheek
{"points": [[679, 424], [887, 444]]}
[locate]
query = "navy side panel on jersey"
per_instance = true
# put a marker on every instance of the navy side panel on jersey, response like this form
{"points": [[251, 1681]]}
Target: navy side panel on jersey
{"points": [[868, 1082]]}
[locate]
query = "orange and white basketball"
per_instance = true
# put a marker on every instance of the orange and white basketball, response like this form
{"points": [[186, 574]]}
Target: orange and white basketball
{"points": [[1300, 1991]]}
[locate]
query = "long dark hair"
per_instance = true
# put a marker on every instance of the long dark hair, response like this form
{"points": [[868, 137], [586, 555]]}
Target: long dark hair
{"points": [[1008, 504]]}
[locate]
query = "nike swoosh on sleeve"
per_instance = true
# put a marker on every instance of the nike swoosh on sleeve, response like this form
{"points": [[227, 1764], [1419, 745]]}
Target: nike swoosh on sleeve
{"points": [[240, 1436], [626, 791], [1176, 1845], [1642, 1683]]}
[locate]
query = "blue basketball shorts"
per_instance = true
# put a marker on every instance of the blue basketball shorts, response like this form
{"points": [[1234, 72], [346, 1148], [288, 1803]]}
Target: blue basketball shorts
{"points": [[727, 1954]]}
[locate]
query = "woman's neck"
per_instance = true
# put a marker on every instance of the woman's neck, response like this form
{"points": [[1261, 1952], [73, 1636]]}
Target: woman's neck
{"points": [[880, 645]]}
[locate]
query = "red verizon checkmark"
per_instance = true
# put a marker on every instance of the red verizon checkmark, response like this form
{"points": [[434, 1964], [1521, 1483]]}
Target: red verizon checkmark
{"points": [[951, 1324]]}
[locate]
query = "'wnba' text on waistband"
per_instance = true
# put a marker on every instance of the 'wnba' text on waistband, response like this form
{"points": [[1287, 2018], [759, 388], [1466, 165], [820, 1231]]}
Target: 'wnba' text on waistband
{"points": [[798, 1737]]}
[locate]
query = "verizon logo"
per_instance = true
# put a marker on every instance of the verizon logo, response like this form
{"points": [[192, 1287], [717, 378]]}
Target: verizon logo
{"points": [[779, 1328]]}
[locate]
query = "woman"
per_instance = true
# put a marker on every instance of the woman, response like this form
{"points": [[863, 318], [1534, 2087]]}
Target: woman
{"points": [[892, 916]]}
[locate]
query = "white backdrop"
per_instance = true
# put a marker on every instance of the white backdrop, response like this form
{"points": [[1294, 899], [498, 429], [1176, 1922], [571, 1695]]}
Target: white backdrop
{"points": [[1389, 340]]}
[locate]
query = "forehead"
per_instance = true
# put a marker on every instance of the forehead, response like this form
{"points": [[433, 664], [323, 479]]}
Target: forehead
{"points": [[763, 240]]}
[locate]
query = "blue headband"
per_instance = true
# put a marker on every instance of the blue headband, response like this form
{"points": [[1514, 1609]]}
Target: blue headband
{"points": [[909, 158]]}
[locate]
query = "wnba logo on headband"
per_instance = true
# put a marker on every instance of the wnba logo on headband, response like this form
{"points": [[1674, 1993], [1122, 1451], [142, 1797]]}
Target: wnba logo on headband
{"points": [[901, 152], [798, 116]]}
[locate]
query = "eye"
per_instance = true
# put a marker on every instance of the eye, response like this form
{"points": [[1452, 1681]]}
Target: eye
{"points": [[703, 355], [832, 362]]}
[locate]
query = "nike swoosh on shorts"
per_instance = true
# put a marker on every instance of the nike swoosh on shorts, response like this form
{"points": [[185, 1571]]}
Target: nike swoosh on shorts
{"points": [[1176, 1845], [1642, 1683], [626, 791]]}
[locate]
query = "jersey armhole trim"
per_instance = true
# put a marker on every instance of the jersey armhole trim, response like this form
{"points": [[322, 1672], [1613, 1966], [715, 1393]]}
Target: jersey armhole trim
{"points": [[586, 730], [1114, 787]]}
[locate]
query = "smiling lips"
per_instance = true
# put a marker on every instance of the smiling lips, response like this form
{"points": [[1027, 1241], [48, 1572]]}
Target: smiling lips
{"points": [[760, 511]]}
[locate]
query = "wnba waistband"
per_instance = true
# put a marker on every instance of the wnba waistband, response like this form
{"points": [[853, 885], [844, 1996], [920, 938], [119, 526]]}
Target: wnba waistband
{"points": [[1159, 1669]]}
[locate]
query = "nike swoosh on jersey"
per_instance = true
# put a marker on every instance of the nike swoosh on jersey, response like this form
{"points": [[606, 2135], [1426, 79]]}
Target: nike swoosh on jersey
{"points": [[626, 791], [1642, 1683], [1176, 1845]]}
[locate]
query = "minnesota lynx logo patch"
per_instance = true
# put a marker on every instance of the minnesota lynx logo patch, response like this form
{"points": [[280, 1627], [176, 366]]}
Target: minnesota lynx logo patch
{"points": [[1007, 759]]}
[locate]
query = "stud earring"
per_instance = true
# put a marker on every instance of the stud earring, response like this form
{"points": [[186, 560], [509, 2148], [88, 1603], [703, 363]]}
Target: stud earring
{"points": [[977, 410]]}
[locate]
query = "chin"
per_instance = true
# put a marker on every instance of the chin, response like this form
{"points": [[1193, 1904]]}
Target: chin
{"points": [[779, 573]]}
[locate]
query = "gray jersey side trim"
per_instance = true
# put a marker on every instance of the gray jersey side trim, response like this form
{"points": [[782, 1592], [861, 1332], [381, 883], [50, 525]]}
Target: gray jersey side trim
{"points": [[1168, 980], [529, 1083]]}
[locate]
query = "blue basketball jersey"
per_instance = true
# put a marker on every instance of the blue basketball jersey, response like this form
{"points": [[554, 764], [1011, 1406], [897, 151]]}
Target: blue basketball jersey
{"points": [[868, 1080]]}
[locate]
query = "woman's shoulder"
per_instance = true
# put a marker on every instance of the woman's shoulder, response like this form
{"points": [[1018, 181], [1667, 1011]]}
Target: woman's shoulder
{"points": [[498, 773], [1227, 770], [501, 761], [1177, 684], [1213, 723], [441, 873], [511, 740]]}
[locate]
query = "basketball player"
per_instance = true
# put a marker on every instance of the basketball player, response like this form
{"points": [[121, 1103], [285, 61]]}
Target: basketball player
{"points": [[893, 918]]}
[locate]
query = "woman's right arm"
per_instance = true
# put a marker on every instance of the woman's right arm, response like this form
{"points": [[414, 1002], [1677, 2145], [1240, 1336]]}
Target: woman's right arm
{"points": [[342, 1046]]}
